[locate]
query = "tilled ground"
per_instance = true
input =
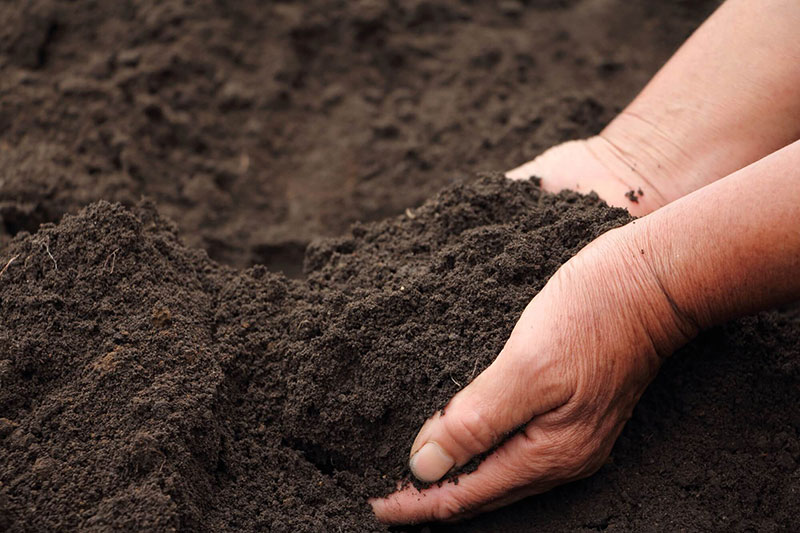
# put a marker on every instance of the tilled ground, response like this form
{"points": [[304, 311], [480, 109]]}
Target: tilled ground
{"points": [[258, 126], [146, 386]]}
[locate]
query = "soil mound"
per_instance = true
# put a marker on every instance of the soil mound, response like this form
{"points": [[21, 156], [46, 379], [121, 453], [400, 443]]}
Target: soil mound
{"points": [[146, 386]]}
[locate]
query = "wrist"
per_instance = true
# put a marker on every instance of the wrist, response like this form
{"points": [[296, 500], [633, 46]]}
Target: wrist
{"points": [[649, 297], [643, 155]]}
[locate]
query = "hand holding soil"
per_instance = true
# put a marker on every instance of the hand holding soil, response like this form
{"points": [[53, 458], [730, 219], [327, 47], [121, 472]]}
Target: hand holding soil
{"points": [[587, 346], [148, 385], [589, 343], [569, 376]]}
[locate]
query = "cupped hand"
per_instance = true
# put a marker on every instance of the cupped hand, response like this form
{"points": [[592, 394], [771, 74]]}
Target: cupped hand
{"points": [[558, 394], [595, 164]]}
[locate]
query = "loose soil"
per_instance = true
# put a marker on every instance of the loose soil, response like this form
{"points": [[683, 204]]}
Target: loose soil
{"points": [[257, 126], [147, 381], [146, 386]]}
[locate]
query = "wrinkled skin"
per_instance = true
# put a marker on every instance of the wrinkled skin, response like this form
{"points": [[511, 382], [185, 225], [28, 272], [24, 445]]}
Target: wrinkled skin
{"points": [[595, 164], [701, 156], [572, 385]]}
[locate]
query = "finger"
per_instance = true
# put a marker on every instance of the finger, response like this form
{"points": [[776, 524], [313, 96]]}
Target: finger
{"points": [[591, 165], [531, 462], [516, 387], [512, 497], [579, 462]]}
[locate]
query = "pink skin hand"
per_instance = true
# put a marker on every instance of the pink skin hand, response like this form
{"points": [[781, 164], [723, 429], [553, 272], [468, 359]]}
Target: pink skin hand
{"points": [[590, 342], [728, 249]]}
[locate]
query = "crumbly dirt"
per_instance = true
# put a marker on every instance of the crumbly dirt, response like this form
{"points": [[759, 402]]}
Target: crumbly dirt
{"points": [[146, 386], [148, 382], [258, 126]]}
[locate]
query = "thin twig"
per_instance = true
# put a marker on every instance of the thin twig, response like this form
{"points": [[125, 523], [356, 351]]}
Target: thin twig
{"points": [[8, 265], [474, 368], [456, 382], [113, 257], [47, 247]]}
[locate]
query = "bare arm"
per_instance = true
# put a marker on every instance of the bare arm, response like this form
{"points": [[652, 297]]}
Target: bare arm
{"points": [[733, 247], [728, 97]]}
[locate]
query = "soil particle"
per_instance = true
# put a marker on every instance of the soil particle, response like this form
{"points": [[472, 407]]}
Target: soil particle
{"points": [[634, 196], [178, 394]]}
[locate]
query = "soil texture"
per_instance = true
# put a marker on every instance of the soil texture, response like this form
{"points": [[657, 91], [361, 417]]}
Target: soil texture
{"points": [[257, 126], [179, 383], [146, 386]]}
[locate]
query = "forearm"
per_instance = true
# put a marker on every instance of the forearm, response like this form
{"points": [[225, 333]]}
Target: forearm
{"points": [[730, 248], [727, 98]]}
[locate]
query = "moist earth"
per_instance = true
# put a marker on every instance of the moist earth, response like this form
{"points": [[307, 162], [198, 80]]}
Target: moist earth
{"points": [[146, 386], [257, 126], [146, 383]]}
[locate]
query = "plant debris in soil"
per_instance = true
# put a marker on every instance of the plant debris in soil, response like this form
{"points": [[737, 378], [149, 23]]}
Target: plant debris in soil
{"points": [[147, 386]]}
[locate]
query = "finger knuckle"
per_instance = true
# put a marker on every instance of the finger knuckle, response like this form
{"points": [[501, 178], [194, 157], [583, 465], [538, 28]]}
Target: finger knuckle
{"points": [[447, 508], [471, 431]]}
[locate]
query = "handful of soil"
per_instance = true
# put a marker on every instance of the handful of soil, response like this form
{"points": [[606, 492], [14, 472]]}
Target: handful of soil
{"points": [[145, 386]]}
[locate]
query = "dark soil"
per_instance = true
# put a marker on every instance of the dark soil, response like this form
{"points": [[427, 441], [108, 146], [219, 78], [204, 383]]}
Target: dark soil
{"points": [[258, 126], [145, 386]]}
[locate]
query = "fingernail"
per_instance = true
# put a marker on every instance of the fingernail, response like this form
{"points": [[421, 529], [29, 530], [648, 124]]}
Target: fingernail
{"points": [[430, 463]]}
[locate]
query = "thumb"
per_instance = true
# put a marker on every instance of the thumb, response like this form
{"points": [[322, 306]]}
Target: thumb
{"points": [[516, 387]]}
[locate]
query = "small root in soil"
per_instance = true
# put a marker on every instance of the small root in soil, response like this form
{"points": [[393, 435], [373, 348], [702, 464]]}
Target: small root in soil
{"points": [[8, 265], [474, 369], [113, 258], [46, 245]]}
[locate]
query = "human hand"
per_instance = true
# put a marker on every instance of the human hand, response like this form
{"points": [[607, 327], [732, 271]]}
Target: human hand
{"points": [[688, 127], [594, 164], [570, 374]]}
